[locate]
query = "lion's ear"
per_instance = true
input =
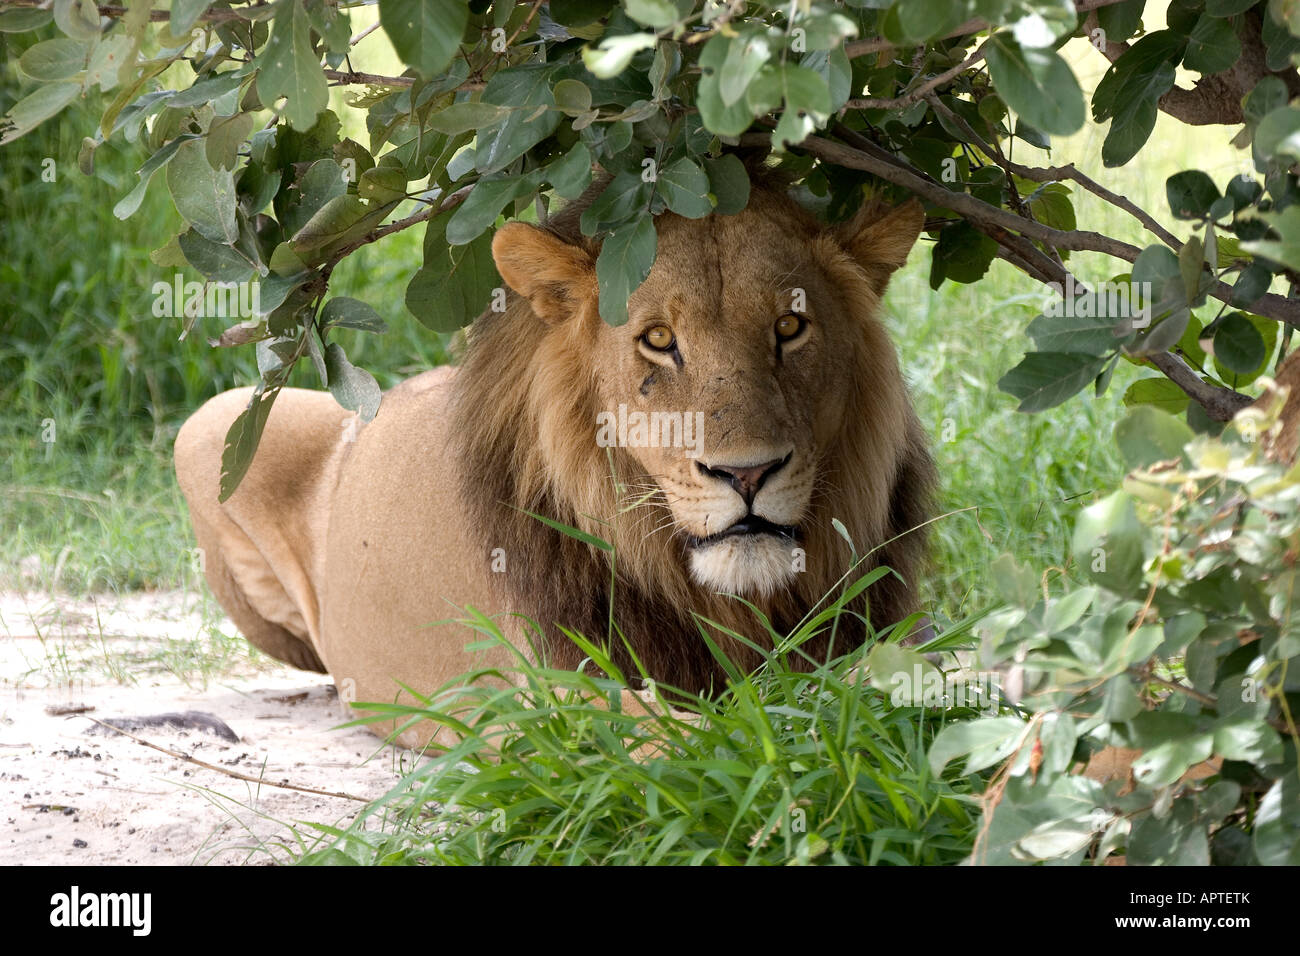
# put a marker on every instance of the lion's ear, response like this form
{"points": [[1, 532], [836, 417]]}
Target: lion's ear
{"points": [[555, 276], [879, 238]]}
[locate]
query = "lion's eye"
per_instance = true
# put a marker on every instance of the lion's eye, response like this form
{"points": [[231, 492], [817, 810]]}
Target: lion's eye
{"points": [[789, 326], [660, 338]]}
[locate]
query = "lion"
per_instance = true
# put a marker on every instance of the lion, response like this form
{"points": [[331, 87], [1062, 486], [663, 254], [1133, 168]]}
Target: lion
{"points": [[776, 408]]}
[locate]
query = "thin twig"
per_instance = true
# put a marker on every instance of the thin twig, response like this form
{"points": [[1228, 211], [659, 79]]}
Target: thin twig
{"points": [[1051, 174], [224, 770], [907, 99], [369, 79], [981, 214]]}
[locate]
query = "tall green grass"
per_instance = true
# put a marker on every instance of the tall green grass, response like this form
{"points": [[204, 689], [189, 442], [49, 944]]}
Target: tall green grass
{"points": [[797, 763]]}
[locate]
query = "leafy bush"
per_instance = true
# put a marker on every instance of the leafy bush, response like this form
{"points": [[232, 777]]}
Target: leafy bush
{"points": [[1185, 647]]}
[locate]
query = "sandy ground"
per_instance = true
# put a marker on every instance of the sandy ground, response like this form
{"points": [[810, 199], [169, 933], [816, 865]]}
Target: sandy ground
{"points": [[70, 792]]}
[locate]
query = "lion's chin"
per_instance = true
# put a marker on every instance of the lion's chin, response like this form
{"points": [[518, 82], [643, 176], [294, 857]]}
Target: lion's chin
{"points": [[754, 565]]}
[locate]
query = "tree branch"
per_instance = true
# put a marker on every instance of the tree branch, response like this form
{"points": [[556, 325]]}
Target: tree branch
{"points": [[1051, 174], [450, 201], [1013, 235], [370, 79], [983, 216]]}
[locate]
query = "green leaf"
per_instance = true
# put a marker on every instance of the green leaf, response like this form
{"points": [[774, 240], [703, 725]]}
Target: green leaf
{"points": [[347, 313], [1238, 344], [962, 254], [1128, 93], [685, 188], [570, 175], [984, 743], [1108, 543], [1251, 285], [1121, 20], [1090, 334], [1277, 823], [1190, 194], [225, 135], [1212, 45], [1158, 392], [1046, 379], [902, 673], [55, 59], [207, 89], [21, 20], [424, 33], [205, 197], [1167, 841], [1163, 764], [353, 388], [382, 184], [455, 284], [1051, 206], [1147, 435], [243, 437], [322, 182], [342, 219], [718, 116], [483, 204], [614, 54], [128, 204], [185, 13], [214, 260], [533, 117], [625, 196], [659, 14], [572, 96], [745, 56], [1038, 84], [730, 183], [1278, 133], [1286, 249], [1250, 740], [34, 109], [579, 13], [572, 532], [462, 117], [805, 97], [287, 67], [626, 257], [79, 19]]}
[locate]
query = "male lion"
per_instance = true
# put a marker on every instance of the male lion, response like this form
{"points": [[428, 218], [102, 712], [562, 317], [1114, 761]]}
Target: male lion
{"points": [[339, 555]]}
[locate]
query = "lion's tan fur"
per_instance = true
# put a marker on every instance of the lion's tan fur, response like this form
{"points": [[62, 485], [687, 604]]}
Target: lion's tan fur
{"points": [[353, 549]]}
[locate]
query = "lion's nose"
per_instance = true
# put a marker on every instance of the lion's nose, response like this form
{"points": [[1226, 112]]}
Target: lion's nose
{"points": [[745, 479]]}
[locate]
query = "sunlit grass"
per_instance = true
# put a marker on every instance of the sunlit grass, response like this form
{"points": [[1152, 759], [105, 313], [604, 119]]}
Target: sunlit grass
{"points": [[787, 766]]}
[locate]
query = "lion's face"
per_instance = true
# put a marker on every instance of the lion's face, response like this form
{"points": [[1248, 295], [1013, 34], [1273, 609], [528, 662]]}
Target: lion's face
{"points": [[743, 346], [725, 389]]}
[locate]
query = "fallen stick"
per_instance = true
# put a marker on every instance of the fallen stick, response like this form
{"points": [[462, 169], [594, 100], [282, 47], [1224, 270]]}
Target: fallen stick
{"points": [[222, 770]]}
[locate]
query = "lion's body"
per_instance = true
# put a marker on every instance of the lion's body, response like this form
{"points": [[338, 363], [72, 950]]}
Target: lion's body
{"points": [[345, 553]]}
